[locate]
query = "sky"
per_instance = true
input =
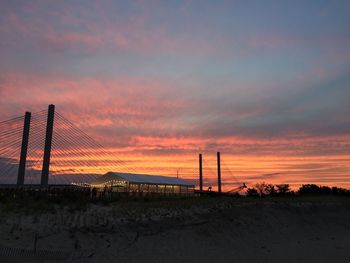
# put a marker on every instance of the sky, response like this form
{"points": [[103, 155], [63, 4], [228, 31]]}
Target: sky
{"points": [[266, 83]]}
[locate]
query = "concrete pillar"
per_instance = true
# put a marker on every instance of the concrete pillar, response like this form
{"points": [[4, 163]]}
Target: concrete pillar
{"points": [[47, 151], [24, 148]]}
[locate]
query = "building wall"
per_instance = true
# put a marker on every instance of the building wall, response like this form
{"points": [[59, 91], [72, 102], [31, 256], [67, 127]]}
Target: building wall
{"points": [[145, 188]]}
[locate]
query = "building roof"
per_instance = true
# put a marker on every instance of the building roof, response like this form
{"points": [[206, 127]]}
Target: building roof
{"points": [[34, 178], [141, 179]]}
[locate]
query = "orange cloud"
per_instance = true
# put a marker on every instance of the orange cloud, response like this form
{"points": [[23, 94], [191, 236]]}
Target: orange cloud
{"points": [[148, 125]]}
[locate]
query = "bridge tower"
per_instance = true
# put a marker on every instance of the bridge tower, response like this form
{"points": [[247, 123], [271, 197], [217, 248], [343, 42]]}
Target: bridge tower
{"points": [[47, 150], [24, 148]]}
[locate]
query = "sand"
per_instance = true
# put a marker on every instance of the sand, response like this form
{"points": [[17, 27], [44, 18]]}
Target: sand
{"points": [[220, 230]]}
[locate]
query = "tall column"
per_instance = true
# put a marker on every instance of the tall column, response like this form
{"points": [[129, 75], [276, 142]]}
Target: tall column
{"points": [[219, 172], [47, 151], [24, 148], [200, 173]]}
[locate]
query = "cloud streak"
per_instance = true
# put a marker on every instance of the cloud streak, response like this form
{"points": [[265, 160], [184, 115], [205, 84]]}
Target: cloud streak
{"points": [[158, 82]]}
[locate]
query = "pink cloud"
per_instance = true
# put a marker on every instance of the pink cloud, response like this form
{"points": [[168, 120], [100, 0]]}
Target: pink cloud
{"points": [[152, 137], [72, 30], [134, 101]]}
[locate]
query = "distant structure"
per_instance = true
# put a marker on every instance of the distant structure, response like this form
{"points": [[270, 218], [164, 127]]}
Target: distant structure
{"points": [[219, 172], [142, 183], [48, 143], [24, 149], [200, 173], [49, 123], [47, 151]]}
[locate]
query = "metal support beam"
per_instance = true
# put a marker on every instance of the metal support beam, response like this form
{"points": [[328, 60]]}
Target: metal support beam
{"points": [[219, 172], [200, 173], [24, 148], [47, 151]]}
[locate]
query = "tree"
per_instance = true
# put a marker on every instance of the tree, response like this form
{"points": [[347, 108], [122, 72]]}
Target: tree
{"points": [[264, 189], [283, 189], [307, 189], [260, 188], [252, 192], [270, 190], [312, 189], [340, 191]]}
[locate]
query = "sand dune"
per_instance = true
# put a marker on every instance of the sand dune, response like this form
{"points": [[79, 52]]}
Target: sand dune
{"points": [[220, 230]]}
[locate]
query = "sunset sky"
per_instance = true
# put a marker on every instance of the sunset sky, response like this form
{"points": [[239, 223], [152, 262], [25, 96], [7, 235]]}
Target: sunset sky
{"points": [[267, 83]]}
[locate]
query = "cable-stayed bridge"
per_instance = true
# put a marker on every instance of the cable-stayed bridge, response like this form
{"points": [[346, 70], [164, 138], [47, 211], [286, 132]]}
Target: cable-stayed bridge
{"points": [[45, 148]]}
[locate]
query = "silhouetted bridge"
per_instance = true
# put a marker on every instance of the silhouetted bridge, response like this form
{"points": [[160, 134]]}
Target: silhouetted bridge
{"points": [[28, 143], [45, 149]]}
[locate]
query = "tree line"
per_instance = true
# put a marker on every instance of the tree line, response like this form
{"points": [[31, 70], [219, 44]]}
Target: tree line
{"points": [[264, 189]]}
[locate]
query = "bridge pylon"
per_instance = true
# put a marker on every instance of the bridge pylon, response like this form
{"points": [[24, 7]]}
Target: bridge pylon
{"points": [[24, 149], [47, 150]]}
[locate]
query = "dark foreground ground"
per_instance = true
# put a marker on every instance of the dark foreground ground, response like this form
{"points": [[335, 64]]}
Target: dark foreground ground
{"points": [[312, 229]]}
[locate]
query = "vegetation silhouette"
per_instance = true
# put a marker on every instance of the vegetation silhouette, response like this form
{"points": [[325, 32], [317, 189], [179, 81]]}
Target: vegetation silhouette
{"points": [[263, 190]]}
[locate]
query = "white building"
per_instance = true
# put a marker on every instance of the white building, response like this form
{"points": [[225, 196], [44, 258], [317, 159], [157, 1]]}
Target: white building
{"points": [[129, 182]]}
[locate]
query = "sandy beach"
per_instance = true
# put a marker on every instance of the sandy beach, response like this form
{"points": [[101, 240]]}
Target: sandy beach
{"points": [[218, 230]]}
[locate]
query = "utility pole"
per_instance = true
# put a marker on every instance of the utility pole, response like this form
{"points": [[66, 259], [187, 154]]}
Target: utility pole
{"points": [[200, 173], [219, 172]]}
